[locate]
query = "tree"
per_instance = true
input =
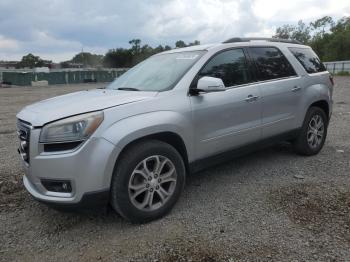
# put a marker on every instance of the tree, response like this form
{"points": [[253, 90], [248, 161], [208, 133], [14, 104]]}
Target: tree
{"points": [[321, 24], [336, 44], [284, 32], [196, 42], [180, 44], [87, 59], [135, 46], [32, 61], [119, 57], [166, 48], [301, 32], [329, 39]]}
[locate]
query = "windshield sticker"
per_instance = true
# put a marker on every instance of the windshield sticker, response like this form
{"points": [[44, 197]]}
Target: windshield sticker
{"points": [[187, 56]]}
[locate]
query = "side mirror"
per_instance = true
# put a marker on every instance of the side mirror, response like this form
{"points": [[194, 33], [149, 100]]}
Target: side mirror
{"points": [[209, 84]]}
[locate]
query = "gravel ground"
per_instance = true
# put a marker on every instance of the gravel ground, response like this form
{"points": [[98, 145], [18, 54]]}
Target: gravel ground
{"points": [[269, 205]]}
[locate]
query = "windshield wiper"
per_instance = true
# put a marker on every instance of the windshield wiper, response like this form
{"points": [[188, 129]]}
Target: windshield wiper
{"points": [[128, 89]]}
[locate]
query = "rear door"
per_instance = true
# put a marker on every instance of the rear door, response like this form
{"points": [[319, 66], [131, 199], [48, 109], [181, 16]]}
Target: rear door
{"points": [[280, 89], [231, 118], [315, 74]]}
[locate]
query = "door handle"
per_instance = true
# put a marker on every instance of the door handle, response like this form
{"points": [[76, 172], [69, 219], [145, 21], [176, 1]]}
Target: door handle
{"points": [[296, 88], [251, 98]]}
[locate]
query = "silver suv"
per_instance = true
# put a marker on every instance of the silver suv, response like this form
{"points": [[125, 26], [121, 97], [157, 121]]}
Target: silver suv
{"points": [[132, 143]]}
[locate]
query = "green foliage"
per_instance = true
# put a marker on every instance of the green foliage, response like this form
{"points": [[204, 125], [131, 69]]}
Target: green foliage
{"points": [[301, 32], [32, 61], [337, 42], [329, 39], [320, 25], [117, 58], [87, 59], [122, 57], [180, 44], [343, 73], [284, 32]]}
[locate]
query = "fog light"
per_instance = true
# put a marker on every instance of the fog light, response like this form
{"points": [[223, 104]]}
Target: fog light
{"points": [[61, 186]]}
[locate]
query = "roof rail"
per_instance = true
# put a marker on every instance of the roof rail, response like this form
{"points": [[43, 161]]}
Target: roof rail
{"points": [[248, 39]]}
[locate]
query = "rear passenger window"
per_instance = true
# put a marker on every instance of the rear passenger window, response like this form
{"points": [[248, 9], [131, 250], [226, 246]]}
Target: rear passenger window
{"points": [[271, 63], [308, 59], [231, 66]]}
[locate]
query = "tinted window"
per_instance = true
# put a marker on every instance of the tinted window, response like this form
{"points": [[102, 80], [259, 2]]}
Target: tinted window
{"points": [[231, 66], [308, 59], [271, 63]]}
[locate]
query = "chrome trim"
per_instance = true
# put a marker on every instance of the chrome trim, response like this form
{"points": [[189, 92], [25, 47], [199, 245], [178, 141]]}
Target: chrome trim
{"points": [[24, 124], [63, 142], [23, 133]]}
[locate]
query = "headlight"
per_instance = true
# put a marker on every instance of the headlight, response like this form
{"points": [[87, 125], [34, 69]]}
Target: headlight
{"points": [[74, 128]]}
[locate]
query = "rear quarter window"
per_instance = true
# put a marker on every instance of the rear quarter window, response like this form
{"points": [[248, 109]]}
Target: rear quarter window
{"points": [[308, 59], [270, 63]]}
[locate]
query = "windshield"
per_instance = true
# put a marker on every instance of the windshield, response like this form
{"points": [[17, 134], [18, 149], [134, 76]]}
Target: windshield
{"points": [[157, 73]]}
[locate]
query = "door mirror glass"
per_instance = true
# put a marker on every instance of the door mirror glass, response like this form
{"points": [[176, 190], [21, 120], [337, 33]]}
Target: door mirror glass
{"points": [[210, 84]]}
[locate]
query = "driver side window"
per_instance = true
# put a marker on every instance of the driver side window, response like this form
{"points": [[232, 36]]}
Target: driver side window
{"points": [[230, 66]]}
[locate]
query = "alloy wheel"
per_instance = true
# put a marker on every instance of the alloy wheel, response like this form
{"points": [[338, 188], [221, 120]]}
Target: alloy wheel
{"points": [[315, 131], [152, 183]]}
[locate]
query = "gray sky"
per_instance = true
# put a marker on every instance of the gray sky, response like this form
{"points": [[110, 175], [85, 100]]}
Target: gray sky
{"points": [[58, 29]]}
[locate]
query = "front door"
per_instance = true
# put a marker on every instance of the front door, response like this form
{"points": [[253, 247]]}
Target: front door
{"points": [[231, 118]]}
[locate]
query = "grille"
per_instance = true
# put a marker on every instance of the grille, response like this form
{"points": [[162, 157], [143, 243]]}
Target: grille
{"points": [[23, 132]]}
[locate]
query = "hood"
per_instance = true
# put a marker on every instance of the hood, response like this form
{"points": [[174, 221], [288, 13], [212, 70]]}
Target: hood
{"points": [[77, 103]]}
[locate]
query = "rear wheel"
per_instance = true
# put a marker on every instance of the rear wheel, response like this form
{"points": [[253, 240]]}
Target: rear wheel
{"points": [[147, 181], [313, 132]]}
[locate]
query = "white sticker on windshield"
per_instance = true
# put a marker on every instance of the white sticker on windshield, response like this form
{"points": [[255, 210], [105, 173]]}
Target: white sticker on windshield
{"points": [[187, 56]]}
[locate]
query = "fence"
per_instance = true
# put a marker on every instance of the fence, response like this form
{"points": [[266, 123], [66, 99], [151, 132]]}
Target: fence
{"points": [[59, 77], [338, 66]]}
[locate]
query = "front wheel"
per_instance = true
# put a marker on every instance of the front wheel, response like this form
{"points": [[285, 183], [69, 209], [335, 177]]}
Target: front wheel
{"points": [[313, 132], [147, 181]]}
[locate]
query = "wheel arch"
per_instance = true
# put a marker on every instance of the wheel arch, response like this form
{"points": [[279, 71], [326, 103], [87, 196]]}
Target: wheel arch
{"points": [[168, 137], [323, 104]]}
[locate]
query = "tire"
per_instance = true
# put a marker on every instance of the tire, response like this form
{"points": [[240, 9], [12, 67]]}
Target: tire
{"points": [[305, 144], [132, 175]]}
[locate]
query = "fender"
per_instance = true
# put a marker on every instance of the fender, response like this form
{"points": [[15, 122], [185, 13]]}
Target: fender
{"points": [[129, 129], [312, 94]]}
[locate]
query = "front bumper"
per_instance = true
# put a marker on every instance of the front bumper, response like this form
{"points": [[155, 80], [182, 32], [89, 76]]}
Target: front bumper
{"points": [[89, 169], [90, 199]]}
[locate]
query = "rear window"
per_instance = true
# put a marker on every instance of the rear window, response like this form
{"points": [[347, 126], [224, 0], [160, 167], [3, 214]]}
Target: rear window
{"points": [[308, 59], [271, 63]]}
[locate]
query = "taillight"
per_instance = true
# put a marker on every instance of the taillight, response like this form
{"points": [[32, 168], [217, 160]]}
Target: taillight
{"points": [[331, 79]]}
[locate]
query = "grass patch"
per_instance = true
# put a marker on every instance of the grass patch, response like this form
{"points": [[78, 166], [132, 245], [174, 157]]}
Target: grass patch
{"points": [[343, 73]]}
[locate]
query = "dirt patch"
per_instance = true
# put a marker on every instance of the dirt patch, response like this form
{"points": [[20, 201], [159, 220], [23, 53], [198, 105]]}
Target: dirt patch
{"points": [[210, 251], [63, 222], [11, 186], [11, 192], [196, 254], [316, 207], [6, 132]]}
